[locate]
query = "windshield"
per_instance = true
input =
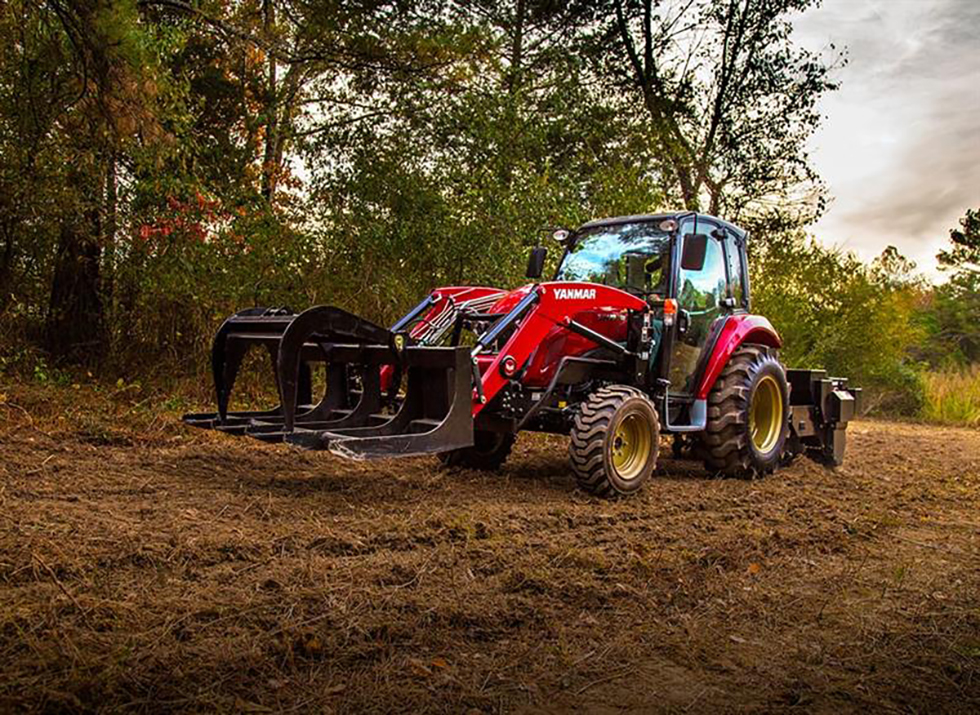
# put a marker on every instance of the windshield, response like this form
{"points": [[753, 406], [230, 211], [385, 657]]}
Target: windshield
{"points": [[629, 256]]}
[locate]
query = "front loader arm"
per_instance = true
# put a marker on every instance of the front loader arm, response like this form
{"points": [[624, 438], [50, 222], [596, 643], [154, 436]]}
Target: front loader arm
{"points": [[553, 304], [429, 321]]}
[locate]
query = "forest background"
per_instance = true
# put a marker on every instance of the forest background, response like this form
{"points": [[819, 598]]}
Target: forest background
{"points": [[165, 163]]}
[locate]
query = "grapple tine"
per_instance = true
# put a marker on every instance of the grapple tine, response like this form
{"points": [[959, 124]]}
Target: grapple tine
{"points": [[433, 417], [226, 359], [336, 393], [310, 435], [322, 324]]}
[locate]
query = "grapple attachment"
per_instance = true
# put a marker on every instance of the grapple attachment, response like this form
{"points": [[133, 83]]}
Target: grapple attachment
{"points": [[363, 413]]}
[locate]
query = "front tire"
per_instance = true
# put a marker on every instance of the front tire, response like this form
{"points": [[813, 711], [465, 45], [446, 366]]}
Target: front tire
{"points": [[748, 415], [488, 453], [615, 441]]}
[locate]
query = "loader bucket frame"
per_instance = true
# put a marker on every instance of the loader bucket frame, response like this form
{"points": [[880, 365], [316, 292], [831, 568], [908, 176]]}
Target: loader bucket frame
{"points": [[353, 417]]}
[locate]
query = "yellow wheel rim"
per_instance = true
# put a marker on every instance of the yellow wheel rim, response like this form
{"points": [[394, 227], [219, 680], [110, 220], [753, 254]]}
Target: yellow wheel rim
{"points": [[632, 444], [766, 414]]}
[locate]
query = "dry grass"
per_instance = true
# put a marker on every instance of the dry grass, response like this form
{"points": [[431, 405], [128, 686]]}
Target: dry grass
{"points": [[149, 568], [953, 396]]}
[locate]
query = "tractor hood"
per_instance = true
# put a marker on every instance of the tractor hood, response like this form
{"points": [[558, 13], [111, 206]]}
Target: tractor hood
{"points": [[511, 298], [563, 298]]}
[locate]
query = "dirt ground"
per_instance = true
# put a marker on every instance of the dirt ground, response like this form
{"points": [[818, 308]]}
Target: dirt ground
{"points": [[199, 572]]}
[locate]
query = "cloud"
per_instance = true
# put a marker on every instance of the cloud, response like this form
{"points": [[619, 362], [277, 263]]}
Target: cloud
{"points": [[900, 147]]}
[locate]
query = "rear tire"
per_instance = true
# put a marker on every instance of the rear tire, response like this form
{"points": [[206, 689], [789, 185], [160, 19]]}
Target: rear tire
{"points": [[748, 415], [488, 453], [615, 441]]}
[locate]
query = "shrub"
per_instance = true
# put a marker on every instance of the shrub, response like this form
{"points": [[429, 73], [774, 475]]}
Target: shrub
{"points": [[952, 396], [835, 312]]}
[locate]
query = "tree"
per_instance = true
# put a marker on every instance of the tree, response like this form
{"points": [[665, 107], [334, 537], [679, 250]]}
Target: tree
{"points": [[896, 272], [955, 312], [76, 88], [730, 102], [468, 162], [965, 252]]}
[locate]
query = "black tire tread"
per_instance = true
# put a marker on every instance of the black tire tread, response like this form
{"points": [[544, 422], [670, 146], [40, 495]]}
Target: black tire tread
{"points": [[473, 458], [587, 444], [726, 449]]}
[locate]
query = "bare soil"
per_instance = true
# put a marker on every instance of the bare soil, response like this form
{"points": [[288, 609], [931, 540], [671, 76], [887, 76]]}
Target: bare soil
{"points": [[192, 571]]}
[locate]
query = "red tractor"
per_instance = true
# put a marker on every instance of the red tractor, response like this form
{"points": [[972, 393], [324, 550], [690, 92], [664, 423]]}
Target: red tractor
{"points": [[645, 329]]}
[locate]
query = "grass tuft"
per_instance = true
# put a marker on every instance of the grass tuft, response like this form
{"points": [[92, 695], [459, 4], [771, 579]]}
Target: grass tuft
{"points": [[953, 396]]}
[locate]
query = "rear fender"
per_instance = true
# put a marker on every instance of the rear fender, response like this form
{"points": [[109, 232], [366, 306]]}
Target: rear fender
{"points": [[738, 329]]}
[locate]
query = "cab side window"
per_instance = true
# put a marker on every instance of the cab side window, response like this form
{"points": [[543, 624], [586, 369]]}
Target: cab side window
{"points": [[734, 251], [701, 295], [705, 290]]}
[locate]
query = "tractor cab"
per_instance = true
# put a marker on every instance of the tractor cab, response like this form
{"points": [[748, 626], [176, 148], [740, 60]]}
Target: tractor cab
{"points": [[689, 268]]}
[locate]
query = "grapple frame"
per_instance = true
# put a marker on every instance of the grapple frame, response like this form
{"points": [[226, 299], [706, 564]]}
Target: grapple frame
{"points": [[356, 416]]}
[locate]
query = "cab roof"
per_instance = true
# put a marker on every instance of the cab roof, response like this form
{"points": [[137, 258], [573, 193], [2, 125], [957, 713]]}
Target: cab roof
{"points": [[644, 218]]}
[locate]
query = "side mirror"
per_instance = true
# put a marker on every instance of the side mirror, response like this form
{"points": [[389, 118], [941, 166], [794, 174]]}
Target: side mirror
{"points": [[562, 235], [535, 262], [695, 248]]}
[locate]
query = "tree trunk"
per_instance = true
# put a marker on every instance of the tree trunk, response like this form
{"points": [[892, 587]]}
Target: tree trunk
{"points": [[269, 164], [6, 265], [74, 325], [512, 83], [109, 225], [516, 50]]}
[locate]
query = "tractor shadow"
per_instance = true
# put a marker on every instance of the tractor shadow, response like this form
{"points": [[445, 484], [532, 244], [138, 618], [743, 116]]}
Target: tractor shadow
{"points": [[551, 469], [324, 479]]}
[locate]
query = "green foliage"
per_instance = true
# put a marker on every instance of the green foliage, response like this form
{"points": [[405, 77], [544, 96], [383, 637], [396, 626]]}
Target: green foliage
{"points": [[166, 164], [833, 311], [952, 396], [468, 167], [951, 319], [44, 373], [951, 316]]}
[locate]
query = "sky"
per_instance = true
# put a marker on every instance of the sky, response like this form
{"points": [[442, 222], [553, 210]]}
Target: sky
{"points": [[899, 146]]}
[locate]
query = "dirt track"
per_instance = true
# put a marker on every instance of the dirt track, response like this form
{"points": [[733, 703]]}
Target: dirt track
{"points": [[209, 573]]}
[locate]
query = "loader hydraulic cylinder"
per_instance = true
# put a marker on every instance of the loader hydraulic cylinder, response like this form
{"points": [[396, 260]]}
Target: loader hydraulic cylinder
{"points": [[495, 330]]}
